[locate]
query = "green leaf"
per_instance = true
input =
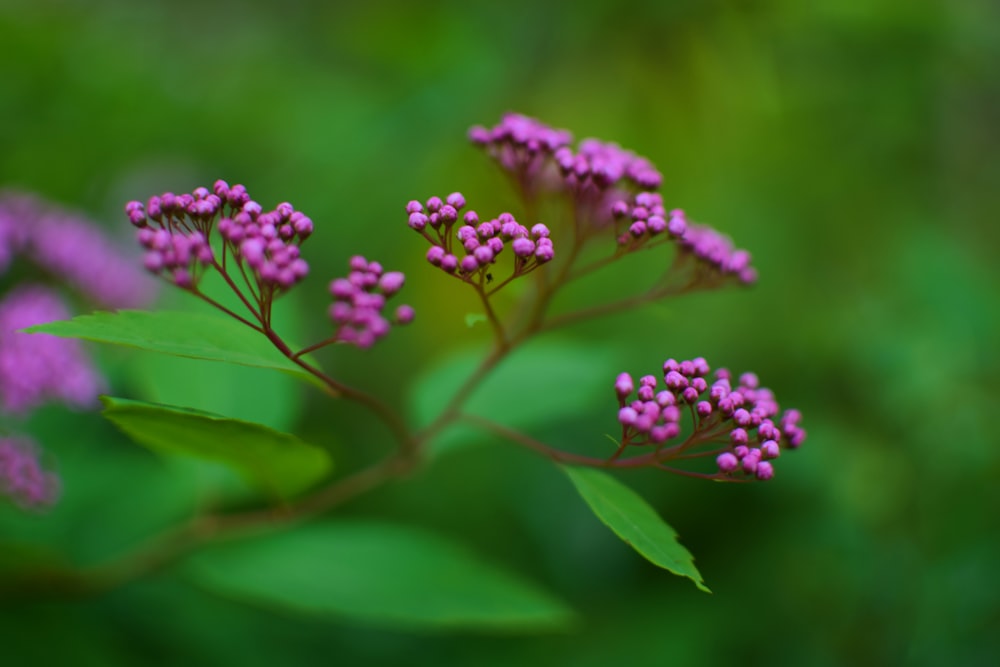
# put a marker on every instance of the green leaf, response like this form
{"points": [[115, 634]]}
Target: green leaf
{"points": [[634, 521], [183, 334], [378, 573], [279, 463], [240, 392], [538, 384]]}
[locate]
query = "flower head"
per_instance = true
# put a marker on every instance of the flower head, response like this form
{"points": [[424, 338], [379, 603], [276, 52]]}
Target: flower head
{"points": [[741, 426], [176, 232], [523, 146], [36, 368], [360, 300], [601, 165], [467, 247]]}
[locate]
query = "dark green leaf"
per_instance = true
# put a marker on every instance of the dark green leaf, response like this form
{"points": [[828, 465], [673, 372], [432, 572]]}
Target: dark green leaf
{"points": [[634, 521], [277, 462], [378, 573], [183, 334]]}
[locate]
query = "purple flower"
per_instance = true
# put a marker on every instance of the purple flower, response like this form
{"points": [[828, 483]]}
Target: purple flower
{"points": [[474, 247], [72, 248], [523, 146], [599, 165], [735, 425], [176, 232], [36, 368], [360, 300], [716, 251], [22, 478]]}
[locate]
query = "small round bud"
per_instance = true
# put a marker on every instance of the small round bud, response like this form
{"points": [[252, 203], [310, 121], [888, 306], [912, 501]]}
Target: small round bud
{"points": [[435, 254], [404, 314], [544, 254], [770, 449], [391, 282], [624, 385], [627, 416], [540, 231], [469, 264], [727, 462]]}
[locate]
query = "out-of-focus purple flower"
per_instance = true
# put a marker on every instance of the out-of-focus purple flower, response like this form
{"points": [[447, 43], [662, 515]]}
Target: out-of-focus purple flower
{"points": [[73, 249], [716, 250], [742, 422], [359, 302], [22, 478], [524, 147], [471, 251], [36, 368], [599, 165]]}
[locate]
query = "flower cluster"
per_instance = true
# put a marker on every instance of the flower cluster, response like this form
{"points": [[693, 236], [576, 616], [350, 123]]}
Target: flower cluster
{"points": [[482, 242], [716, 251], [175, 231], [36, 368], [599, 165], [70, 248], [523, 146], [646, 217], [643, 217], [22, 478], [359, 301], [608, 184], [744, 419]]}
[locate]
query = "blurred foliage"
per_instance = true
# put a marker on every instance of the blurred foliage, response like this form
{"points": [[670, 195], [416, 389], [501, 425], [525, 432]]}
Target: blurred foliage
{"points": [[851, 145]]}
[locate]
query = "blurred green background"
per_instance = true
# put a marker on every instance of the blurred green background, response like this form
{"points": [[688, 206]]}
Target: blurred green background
{"points": [[850, 145]]}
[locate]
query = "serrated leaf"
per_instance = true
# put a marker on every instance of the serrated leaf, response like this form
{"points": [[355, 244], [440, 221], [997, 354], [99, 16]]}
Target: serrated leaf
{"points": [[183, 334], [277, 462], [378, 573], [538, 384], [632, 519]]}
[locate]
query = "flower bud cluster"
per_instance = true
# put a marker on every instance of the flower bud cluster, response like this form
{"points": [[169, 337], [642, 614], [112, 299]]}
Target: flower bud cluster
{"points": [[481, 242], [716, 250], [360, 299], [176, 230], [599, 165], [644, 217], [37, 368], [22, 478], [521, 145], [744, 419]]}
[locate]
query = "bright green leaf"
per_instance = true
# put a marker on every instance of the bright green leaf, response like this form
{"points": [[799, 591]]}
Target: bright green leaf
{"points": [[634, 521], [538, 384], [378, 573], [183, 334], [277, 462]]}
